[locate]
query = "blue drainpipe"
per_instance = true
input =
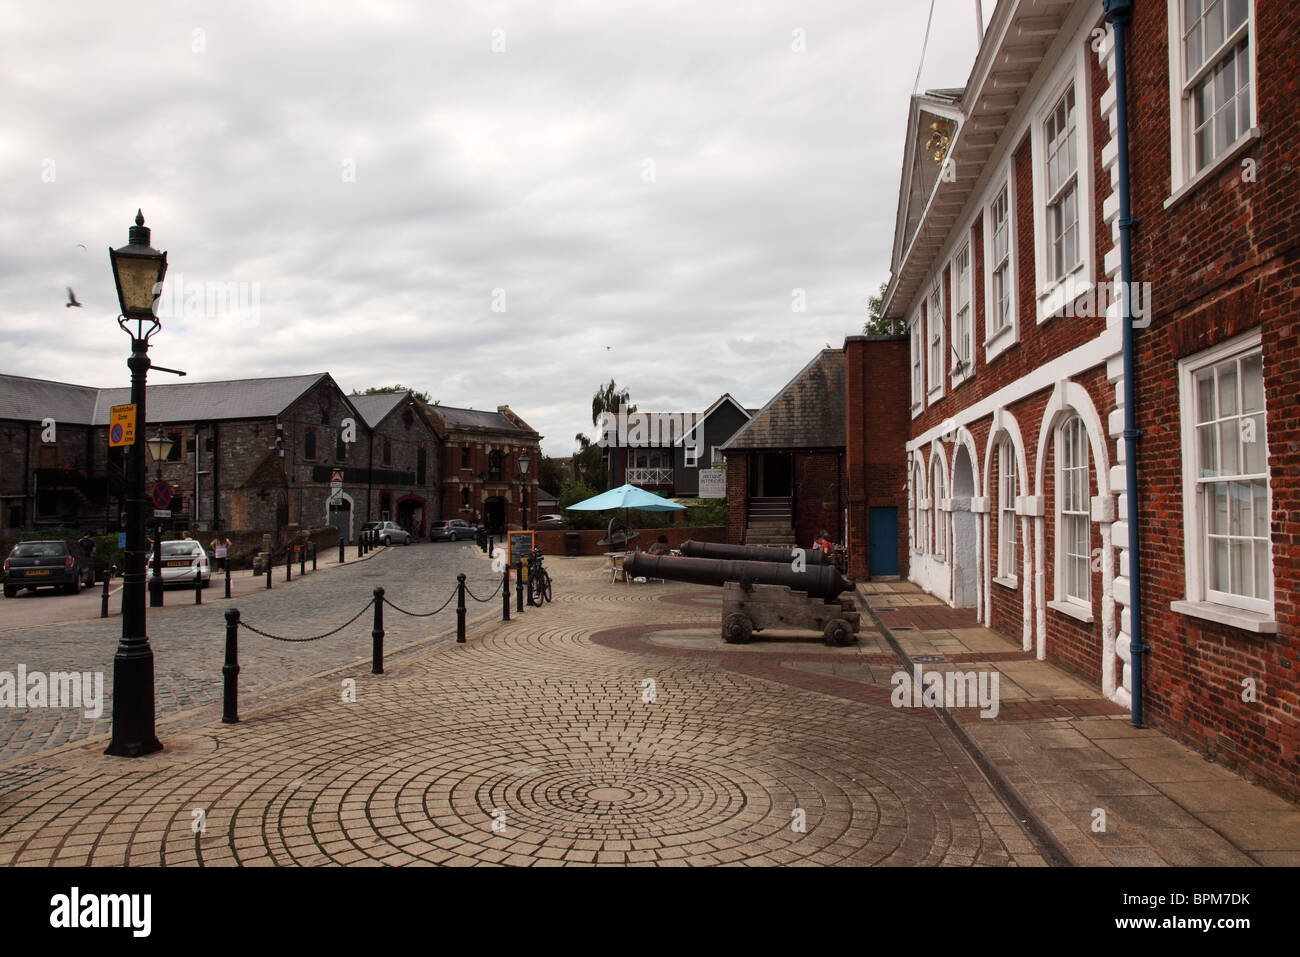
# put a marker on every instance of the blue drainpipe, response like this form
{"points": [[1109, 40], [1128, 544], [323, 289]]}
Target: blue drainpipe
{"points": [[1119, 13]]}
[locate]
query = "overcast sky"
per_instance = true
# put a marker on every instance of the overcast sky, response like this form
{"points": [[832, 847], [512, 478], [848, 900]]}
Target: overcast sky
{"points": [[641, 187]]}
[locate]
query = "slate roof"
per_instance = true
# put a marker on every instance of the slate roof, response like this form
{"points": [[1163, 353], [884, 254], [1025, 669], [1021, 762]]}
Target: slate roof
{"points": [[808, 413], [474, 419], [374, 407], [34, 399]]}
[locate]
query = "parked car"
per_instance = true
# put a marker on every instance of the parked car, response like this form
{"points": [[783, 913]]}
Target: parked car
{"points": [[56, 563], [389, 533], [550, 521], [452, 530], [180, 560]]}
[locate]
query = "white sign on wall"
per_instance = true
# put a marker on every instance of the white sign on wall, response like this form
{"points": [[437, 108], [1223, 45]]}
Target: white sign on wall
{"points": [[713, 483]]}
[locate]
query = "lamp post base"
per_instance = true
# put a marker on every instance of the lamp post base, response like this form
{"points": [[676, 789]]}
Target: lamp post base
{"points": [[133, 701]]}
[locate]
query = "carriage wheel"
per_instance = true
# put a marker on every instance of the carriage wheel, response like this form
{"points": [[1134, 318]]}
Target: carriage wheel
{"points": [[838, 633]]}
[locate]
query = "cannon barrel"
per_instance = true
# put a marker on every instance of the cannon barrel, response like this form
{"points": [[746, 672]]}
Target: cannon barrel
{"points": [[752, 553], [819, 581]]}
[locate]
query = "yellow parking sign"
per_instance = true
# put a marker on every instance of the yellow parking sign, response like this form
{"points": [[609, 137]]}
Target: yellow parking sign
{"points": [[121, 425]]}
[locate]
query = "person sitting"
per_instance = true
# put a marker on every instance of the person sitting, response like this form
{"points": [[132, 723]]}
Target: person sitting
{"points": [[660, 547], [824, 544]]}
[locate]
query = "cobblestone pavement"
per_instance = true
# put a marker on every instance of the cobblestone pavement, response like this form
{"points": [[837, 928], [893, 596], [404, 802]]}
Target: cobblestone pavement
{"points": [[547, 740], [189, 640]]}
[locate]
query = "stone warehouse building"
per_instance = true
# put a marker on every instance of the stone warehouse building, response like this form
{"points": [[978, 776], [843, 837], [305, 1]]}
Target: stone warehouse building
{"points": [[483, 482], [251, 454], [1006, 270]]}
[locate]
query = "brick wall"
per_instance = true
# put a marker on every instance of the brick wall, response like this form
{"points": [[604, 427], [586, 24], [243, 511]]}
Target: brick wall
{"points": [[737, 496], [818, 497]]}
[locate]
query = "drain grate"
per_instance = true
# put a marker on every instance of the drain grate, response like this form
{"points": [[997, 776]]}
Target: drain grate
{"points": [[928, 659]]}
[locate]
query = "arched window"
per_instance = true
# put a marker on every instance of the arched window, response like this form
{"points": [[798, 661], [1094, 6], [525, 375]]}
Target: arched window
{"points": [[1007, 521], [1074, 580], [936, 514]]}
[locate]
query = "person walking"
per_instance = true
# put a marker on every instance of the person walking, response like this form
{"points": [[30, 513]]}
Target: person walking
{"points": [[220, 549], [87, 544]]}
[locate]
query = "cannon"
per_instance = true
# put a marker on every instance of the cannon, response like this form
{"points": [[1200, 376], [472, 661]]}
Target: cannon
{"points": [[763, 595], [753, 553]]}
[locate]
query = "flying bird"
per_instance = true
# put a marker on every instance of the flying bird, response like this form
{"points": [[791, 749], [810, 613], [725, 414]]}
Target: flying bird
{"points": [[81, 246], [72, 300]]}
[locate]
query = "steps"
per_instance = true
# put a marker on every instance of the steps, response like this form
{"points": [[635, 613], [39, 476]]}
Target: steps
{"points": [[770, 522]]}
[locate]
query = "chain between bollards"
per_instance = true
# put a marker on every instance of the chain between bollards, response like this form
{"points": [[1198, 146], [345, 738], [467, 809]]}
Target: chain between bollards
{"points": [[377, 635], [230, 670], [103, 598]]}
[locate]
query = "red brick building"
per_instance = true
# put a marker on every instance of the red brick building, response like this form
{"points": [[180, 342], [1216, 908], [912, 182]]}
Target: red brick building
{"points": [[1006, 270], [482, 478]]}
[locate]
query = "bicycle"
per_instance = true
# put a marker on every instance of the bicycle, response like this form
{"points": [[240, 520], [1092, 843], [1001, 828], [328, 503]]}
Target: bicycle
{"points": [[539, 580]]}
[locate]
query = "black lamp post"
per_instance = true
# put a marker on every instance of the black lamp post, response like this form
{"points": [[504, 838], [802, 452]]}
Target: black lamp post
{"points": [[524, 462], [138, 271], [159, 447]]}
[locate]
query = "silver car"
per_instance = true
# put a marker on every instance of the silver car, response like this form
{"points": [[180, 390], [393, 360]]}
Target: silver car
{"points": [[390, 533], [180, 560]]}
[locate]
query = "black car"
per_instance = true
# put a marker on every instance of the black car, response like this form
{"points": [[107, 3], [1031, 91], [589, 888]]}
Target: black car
{"points": [[56, 563]]}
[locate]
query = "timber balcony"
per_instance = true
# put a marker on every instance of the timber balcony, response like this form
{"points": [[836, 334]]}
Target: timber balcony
{"points": [[654, 476]]}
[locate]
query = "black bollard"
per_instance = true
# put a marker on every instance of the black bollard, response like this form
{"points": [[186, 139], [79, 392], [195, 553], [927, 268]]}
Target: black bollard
{"points": [[313, 556], [460, 607], [230, 670], [103, 598], [269, 565], [505, 594], [198, 587], [361, 544], [341, 558], [377, 636], [302, 559], [288, 565], [227, 576], [519, 586]]}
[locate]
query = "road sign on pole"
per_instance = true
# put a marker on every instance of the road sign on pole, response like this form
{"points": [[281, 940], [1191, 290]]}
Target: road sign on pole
{"points": [[161, 495], [121, 425]]}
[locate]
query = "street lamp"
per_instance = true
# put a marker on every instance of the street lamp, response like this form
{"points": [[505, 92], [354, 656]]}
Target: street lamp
{"points": [[524, 462], [138, 271], [159, 447]]}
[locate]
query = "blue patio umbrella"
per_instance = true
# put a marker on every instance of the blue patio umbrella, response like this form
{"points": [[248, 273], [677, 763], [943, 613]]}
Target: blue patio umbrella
{"points": [[624, 497]]}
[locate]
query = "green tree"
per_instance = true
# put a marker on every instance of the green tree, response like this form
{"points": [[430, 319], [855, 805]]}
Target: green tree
{"points": [[877, 324], [589, 463], [609, 398], [550, 475]]}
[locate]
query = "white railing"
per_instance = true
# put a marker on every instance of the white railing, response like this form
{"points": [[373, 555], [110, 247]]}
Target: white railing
{"points": [[650, 476]]}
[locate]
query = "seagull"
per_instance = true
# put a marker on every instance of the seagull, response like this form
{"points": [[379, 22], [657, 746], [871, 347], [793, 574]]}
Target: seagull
{"points": [[72, 300], [81, 246]]}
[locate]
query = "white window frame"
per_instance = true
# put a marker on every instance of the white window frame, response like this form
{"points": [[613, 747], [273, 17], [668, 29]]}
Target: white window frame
{"points": [[997, 340], [958, 334], [917, 336], [1194, 535], [1008, 517], [1054, 292], [1183, 173], [922, 531], [936, 339], [939, 546], [1064, 541]]}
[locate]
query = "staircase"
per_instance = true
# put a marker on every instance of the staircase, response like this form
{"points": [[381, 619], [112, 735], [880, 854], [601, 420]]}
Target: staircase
{"points": [[770, 522]]}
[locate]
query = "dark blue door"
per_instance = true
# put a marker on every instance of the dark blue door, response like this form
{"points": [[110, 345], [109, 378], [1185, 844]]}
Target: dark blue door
{"points": [[883, 554]]}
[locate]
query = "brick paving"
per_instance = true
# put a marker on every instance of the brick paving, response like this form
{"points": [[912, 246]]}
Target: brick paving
{"points": [[613, 727], [537, 729]]}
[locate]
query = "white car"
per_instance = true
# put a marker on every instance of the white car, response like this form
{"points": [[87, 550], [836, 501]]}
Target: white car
{"points": [[389, 533], [180, 560]]}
